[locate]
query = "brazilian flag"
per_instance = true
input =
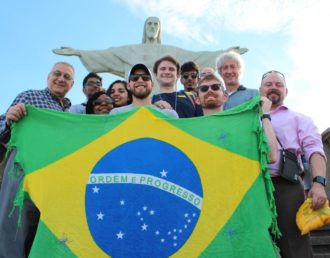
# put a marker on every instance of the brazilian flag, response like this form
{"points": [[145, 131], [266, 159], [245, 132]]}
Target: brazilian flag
{"points": [[141, 184]]}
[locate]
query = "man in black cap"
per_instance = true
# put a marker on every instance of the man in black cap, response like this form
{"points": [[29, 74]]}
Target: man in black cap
{"points": [[140, 84]]}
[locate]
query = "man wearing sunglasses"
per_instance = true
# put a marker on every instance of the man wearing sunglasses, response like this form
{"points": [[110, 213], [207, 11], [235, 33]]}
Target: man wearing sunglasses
{"points": [[92, 83], [297, 133], [230, 67], [189, 79], [140, 84], [212, 96], [189, 76]]}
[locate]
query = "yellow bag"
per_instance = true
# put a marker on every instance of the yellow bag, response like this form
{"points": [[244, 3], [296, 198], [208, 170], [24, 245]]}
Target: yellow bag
{"points": [[308, 219]]}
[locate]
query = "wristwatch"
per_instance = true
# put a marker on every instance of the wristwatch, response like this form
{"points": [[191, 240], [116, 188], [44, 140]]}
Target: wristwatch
{"points": [[321, 180], [265, 116]]}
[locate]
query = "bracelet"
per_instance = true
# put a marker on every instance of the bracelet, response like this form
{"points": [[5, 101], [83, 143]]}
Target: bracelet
{"points": [[265, 116]]}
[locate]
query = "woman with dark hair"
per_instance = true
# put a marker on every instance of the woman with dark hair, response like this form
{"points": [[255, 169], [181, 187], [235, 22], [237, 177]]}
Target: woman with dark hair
{"points": [[99, 103], [119, 93]]}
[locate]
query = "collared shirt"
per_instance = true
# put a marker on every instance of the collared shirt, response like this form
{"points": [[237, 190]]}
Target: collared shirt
{"points": [[241, 95], [39, 98], [297, 133]]}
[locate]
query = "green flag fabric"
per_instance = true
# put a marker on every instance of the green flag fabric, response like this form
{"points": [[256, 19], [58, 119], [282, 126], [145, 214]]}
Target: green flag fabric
{"points": [[141, 184]]}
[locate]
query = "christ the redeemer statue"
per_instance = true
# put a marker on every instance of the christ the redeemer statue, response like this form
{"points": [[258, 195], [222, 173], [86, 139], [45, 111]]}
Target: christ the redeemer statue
{"points": [[119, 60]]}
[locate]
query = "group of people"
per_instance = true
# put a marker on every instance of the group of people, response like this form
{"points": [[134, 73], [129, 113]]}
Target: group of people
{"points": [[204, 93]]}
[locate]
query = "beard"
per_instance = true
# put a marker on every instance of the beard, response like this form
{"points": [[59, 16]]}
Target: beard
{"points": [[211, 103], [141, 94], [275, 97], [190, 88]]}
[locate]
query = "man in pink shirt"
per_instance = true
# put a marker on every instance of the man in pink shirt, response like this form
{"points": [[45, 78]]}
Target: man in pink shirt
{"points": [[297, 133]]}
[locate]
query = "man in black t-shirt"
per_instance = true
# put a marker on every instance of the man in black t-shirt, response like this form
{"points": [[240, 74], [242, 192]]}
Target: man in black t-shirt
{"points": [[167, 72]]}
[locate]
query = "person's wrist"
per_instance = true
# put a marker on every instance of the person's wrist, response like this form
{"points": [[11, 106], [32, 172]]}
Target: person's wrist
{"points": [[265, 116], [320, 180]]}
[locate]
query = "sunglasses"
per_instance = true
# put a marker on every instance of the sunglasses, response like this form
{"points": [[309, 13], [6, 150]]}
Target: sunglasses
{"points": [[214, 87], [192, 75], [144, 77], [272, 71], [99, 102]]}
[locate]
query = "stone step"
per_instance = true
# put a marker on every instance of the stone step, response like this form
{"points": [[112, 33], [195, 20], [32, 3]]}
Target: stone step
{"points": [[323, 255], [324, 228], [320, 240]]}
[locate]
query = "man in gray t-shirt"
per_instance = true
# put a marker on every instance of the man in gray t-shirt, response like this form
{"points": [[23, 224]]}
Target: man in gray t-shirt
{"points": [[140, 84]]}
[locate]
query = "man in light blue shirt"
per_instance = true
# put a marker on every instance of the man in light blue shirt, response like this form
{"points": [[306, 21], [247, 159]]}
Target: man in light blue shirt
{"points": [[230, 66], [92, 83]]}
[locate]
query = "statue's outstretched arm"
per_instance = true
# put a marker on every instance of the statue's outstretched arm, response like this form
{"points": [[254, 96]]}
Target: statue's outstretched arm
{"points": [[237, 49], [66, 51]]}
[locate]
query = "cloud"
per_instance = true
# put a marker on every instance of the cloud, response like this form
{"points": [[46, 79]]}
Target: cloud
{"points": [[303, 22], [308, 51], [198, 20]]}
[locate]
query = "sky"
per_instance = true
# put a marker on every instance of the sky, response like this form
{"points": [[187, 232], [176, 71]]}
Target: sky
{"points": [[291, 36]]}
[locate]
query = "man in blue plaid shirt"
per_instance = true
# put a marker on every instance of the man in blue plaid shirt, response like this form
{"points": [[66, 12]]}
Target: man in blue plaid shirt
{"points": [[60, 80], [16, 241]]}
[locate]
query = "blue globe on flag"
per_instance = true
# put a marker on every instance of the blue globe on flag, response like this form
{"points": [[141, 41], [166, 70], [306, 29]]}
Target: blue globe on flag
{"points": [[143, 199]]}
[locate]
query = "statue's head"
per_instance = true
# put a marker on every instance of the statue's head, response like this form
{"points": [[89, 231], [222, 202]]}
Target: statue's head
{"points": [[151, 31]]}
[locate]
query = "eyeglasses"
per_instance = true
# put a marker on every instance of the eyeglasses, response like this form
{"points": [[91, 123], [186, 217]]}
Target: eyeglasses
{"points": [[65, 75], [93, 83], [214, 87], [192, 75], [135, 77], [272, 71], [99, 102]]}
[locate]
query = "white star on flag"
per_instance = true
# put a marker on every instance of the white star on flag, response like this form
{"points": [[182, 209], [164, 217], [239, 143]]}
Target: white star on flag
{"points": [[122, 202], [157, 232], [120, 235], [163, 173], [144, 227], [145, 208], [95, 189], [100, 216], [186, 215], [152, 212]]}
